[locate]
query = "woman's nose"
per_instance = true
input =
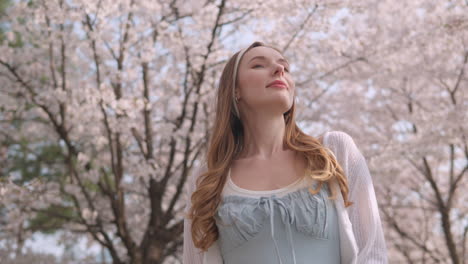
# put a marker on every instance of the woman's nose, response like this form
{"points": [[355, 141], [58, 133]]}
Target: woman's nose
{"points": [[279, 69]]}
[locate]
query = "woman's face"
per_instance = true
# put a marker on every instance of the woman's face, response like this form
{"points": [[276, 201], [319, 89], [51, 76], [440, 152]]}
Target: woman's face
{"points": [[259, 67]]}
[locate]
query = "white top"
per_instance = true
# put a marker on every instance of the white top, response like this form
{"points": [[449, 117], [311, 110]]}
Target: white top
{"points": [[361, 234], [232, 189]]}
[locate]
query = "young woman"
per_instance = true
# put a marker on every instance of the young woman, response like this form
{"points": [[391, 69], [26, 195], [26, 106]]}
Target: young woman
{"points": [[269, 193]]}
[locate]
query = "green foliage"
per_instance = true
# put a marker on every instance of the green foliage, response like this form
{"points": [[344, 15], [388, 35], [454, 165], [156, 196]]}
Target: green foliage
{"points": [[18, 41], [30, 161], [3, 6], [52, 219]]}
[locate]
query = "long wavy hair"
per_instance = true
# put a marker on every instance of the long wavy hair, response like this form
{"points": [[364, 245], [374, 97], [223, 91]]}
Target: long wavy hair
{"points": [[225, 144]]}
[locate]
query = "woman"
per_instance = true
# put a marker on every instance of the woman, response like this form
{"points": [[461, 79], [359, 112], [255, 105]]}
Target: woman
{"points": [[269, 193]]}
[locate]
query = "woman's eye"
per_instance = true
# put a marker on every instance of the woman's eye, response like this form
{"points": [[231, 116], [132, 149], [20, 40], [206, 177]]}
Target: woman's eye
{"points": [[257, 65]]}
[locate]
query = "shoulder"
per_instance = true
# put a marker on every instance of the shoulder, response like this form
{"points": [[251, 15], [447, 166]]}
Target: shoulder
{"points": [[348, 155], [338, 140], [199, 168], [196, 171], [343, 147]]}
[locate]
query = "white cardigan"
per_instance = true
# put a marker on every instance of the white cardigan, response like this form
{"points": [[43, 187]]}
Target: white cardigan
{"points": [[361, 234]]}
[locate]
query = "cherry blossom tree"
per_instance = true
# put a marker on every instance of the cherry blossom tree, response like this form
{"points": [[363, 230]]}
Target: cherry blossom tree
{"points": [[119, 89], [396, 82]]}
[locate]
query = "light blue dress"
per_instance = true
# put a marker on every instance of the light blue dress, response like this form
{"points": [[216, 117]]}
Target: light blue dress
{"points": [[295, 228]]}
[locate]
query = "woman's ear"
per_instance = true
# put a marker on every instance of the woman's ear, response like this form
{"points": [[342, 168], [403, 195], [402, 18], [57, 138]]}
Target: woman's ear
{"points": [[237, 94]]}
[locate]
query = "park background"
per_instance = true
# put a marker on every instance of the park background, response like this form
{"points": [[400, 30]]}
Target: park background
{"points": [[106, 106]]}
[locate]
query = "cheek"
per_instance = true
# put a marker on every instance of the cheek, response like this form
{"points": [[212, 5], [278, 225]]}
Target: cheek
{"points": [[254, 76], [252, 81], [292, 85]]}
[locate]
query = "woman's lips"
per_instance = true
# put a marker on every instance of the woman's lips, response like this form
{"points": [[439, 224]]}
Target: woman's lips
{"points": [[278, 83]]}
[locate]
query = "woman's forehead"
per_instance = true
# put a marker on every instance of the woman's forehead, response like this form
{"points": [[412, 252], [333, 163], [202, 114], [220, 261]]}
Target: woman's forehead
{"points": [[261, 52]]}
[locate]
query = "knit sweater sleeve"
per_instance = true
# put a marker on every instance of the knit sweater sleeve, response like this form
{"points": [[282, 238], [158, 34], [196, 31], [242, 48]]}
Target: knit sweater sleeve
{"points": [[192, 254], [364, 213]]}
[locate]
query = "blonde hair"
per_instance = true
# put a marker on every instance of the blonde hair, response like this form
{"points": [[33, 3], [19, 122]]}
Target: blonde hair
{"points": [[224, 146]]}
